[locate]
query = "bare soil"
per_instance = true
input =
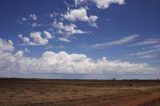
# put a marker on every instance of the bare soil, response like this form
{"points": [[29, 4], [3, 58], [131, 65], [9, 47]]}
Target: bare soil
{"points": [[36, 92]]}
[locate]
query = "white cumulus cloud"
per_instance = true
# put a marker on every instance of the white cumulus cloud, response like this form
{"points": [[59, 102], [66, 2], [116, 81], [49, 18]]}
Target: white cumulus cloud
{"points": [[36, 38], [67, 29], [62, 62], [48, 35], [80, 15], [6, 46], [26, 40], [101, 4]]}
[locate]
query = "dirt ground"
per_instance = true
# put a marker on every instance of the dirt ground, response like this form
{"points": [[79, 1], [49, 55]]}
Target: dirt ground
{"points": [[34, 92]]}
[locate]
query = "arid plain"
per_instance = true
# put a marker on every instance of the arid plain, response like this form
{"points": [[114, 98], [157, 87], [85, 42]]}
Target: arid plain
{"points": [[38, 92]]}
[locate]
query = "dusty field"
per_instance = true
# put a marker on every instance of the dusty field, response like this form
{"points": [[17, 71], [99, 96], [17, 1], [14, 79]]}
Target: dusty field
{"points": [[23, 92]]}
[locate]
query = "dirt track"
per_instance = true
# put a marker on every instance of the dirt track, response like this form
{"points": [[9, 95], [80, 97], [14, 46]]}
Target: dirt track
{"points": [[78, 93]]}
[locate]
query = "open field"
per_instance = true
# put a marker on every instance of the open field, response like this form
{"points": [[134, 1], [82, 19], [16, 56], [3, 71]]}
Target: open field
{"points": [[34, 92]]}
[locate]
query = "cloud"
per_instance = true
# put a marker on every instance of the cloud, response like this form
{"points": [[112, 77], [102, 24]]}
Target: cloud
{"points": [[77, 15], [24, 19], [93, 20], [113, 43], [26, 40], [36, 38], [36, 24], [19, 54], [101, 4], [31, 19], [48, 35], [67, 4], [33, 16], [54, 14], [151, 49], [80, 15], [157, 46], [62, 62], [148, 42], [79, 2], [26, 50], [67, 29], [150, 53], [63, 39], [6, 46], [143, 54]]}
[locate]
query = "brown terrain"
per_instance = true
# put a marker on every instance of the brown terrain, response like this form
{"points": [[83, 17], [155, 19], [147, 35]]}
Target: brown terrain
{"points": [[36, 92]]}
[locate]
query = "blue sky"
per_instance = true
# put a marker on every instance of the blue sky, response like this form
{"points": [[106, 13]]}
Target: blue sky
{"points": [[80, 36]]}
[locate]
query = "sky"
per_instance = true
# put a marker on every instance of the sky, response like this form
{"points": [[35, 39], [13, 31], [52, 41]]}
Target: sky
{"points": [[87, 39]]}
